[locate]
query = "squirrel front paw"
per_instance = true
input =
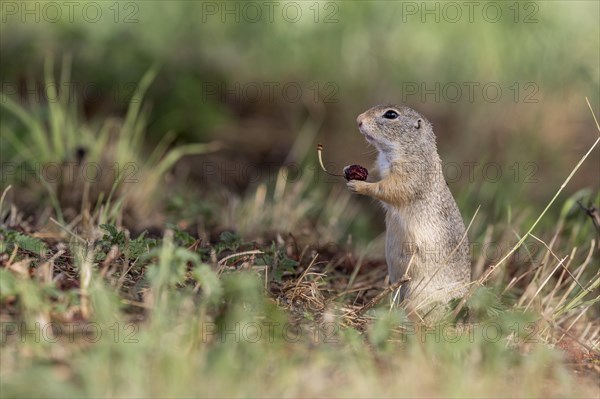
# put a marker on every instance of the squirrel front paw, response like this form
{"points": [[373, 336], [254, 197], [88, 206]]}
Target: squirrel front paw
{"points": [[357, 186]]}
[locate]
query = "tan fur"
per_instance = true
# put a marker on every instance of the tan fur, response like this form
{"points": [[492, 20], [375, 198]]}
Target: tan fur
{"points": [[424, 227]]}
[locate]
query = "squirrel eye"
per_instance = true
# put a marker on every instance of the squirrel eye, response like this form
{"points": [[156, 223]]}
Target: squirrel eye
{"points": [[390, 114], [418, 124]]}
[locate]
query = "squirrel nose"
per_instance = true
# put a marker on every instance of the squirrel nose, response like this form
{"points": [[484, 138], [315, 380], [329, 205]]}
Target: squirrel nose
{"points": [[359, 120]]}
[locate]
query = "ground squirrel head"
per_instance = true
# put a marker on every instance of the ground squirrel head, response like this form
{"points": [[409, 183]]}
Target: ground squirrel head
{"points": [[399, 133]]}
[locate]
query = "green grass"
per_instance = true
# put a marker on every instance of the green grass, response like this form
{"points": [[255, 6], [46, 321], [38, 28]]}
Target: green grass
{"points": [[175, 323], [88, 310], [104, 161]]}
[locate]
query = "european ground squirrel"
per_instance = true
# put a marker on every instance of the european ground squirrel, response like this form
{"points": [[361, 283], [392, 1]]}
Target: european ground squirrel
{"points": [[426, 242]]}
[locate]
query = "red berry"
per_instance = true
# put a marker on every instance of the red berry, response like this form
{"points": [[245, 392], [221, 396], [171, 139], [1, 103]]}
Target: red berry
{"points": [[355, 172]]}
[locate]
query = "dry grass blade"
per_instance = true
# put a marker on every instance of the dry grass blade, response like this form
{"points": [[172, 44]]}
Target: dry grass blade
{"points": [[583, 267], [464, 236], [483, 279], [382, 294], [223, 262], [312, 262], [567, 180], [541, 287], [3, 196], [67, 230], [236, 255], [556, 257]]}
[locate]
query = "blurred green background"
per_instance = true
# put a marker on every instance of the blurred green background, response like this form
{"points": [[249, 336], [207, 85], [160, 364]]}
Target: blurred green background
{"points": [[502, 82]]}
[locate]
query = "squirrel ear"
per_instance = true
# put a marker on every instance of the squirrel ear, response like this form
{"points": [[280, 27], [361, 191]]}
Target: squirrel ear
{"points": [[418, 124]]}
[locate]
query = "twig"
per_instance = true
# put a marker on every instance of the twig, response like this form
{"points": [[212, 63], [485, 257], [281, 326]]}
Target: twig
{"points": [[592, 212], [383, 293], [253, 252], [319, 151], [312, 262]]}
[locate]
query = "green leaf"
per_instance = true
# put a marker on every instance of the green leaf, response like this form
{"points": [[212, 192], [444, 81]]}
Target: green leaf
{"points": [[8, 286], [230, 239], [30, 244], [212, 290], [114, 236]]}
